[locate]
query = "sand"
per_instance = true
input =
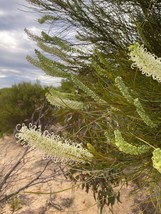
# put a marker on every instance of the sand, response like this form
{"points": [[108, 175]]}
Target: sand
{"points": [[70, 199]]}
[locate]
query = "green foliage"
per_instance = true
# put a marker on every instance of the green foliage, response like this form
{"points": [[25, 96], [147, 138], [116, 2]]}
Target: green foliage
{"points": [[100, 183], [86, 90], [18, 103], [46, 18]]}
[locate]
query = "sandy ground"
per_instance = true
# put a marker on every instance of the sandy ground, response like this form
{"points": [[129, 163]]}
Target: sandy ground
{"points": [[68, 200]]}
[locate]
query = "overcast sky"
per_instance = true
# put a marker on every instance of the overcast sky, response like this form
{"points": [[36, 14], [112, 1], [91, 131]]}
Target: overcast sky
{"points": [[15, 45]]}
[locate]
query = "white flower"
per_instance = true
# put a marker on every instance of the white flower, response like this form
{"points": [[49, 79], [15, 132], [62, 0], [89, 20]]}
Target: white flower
{"points": [[52, 145], [149, 64]]}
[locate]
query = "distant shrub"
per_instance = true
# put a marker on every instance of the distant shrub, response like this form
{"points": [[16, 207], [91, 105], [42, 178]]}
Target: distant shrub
{"points": [[18, 103]]}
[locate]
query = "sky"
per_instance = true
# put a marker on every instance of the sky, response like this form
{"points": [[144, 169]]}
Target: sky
{"points": [[15, 45]]}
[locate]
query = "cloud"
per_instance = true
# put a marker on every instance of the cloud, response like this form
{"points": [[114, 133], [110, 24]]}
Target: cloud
{"points": [[15, 45], [14, 76]]}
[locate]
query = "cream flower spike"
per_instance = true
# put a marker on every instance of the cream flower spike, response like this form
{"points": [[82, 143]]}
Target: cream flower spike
{"points": [[128, 148], [64, 103], [55, 147], [123, 89], [140, 110], [61, 100], [148, 64]]}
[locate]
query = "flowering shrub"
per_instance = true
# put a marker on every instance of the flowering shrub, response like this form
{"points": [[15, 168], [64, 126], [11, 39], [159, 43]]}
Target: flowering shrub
{"points": [[119, 127]]}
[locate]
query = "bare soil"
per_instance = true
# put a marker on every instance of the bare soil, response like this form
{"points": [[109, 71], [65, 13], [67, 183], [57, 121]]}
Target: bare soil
{"points": [[68, 200]]}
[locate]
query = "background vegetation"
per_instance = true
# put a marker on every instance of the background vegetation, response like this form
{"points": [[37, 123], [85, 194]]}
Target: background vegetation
{"points": [[24, 102]]}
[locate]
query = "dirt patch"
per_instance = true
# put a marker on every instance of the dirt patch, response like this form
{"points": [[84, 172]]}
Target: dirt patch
{"points": [[69, 199]]}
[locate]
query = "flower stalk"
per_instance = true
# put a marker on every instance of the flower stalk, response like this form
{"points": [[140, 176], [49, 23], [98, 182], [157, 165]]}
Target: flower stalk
{"points": [[128, 148], [148, 64], [55, 147], [156, 159], [123, 89]]}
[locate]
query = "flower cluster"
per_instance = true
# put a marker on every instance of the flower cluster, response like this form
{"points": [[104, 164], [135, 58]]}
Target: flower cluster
{"points": [[128, 148], [59, 101], [88, 91], [142, 114], [123, 89], [53, 146], [156, 159], [149, 64]]}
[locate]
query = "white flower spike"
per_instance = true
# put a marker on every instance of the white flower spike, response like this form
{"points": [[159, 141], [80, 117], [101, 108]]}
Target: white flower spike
{"points": [[53, 146], [148, 64]]}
